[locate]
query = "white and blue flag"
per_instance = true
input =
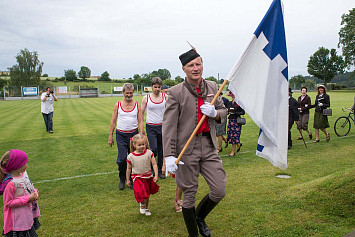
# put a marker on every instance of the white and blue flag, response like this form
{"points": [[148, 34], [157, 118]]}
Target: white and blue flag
{"points": [[259, 81]]}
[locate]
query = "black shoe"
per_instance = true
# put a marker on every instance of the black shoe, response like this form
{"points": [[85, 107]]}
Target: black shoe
{"points": [[241, 144], [161, 176], [121, 185], [226, 145], [203, 209], [203, 227]]}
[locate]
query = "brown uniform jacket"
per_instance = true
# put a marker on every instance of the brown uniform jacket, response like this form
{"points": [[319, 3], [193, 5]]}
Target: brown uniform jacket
{"points": [[180, 117], [302, 104]]}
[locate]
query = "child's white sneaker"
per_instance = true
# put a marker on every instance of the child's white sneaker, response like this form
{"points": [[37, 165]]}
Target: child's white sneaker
{"points": [[147, 212], [142, 209]]}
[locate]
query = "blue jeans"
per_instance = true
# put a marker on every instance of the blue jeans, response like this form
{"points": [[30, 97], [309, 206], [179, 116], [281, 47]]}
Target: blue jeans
{"points": [[122, 141], [48, 120], [154, 135]]}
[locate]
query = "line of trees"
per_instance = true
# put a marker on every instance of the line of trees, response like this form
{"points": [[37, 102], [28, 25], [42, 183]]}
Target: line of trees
{"points": [[324, 64]]}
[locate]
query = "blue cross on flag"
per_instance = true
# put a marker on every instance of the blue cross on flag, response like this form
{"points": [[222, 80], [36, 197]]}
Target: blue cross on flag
{"points": [[259, 81]]}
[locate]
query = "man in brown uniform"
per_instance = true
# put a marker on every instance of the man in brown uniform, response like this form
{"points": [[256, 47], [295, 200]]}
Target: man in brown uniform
{"points": [[187, 103]]}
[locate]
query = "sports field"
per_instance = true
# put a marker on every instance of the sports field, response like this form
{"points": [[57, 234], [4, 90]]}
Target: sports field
{"points": [[75, 172]]}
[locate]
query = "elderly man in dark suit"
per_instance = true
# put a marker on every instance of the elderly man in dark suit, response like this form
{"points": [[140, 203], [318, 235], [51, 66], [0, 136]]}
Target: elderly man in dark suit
{"points": [[187, 103], [292, 115]]}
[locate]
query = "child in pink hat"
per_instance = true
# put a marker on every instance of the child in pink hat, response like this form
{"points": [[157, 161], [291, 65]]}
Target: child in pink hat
{"points": [[21, 210]]}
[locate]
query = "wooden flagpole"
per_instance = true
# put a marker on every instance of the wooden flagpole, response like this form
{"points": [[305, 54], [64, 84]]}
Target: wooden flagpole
{"points": [[200, 123]]}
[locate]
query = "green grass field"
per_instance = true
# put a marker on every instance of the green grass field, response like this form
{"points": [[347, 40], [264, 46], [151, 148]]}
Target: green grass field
{"points": [[318, 199]]}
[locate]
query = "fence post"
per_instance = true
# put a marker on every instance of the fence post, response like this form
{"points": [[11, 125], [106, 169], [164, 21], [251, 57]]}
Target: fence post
{"points": [[4, 94], [69, 92], [79, 91], [21, 92], [111, 90], [38, 93], [98, 91]]}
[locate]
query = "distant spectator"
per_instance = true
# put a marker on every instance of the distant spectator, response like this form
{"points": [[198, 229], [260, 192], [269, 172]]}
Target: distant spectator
{"points": [[321, 121], [164, 89], [304, 104], [221, 128], [292, 115], [47, 108], [234, 129], [353, 109]]}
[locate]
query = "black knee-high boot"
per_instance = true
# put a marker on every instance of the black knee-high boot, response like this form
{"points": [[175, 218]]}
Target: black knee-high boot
{"points": [[203, 209], [190, 221]]}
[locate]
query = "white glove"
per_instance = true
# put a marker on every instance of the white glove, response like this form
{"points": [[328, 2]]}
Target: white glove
{"points": [[208, 110], [170, 165], [320, 104]]}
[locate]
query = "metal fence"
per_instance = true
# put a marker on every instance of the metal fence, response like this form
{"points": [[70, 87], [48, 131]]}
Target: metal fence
{"points": [[68, 91], [61, 91]]}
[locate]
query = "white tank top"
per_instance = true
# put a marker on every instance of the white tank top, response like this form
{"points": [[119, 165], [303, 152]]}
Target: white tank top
{"points": [[155, 111], [127, 120]]}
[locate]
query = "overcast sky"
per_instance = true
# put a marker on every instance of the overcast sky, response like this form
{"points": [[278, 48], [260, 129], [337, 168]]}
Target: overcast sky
{"points": [[129, 37]]}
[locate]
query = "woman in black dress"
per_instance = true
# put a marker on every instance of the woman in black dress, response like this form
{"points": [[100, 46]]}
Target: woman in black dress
{"points": [[321, 121]]}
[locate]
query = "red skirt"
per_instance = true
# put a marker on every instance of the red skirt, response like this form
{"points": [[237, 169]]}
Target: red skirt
{"points": [[143, 188]]}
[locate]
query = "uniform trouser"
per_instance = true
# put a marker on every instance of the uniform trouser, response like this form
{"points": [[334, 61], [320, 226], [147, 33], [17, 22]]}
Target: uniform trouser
{"points": [[122, 141], [48, 120], [155, 142], [203, 159]]}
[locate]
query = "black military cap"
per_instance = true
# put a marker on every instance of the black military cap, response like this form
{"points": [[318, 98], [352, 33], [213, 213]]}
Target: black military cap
{"points": [[188, 56]]}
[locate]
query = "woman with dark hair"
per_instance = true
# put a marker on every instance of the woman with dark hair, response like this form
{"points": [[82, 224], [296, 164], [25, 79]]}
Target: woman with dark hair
{"points": [[234, 129], [321, 121], [304, 104]]}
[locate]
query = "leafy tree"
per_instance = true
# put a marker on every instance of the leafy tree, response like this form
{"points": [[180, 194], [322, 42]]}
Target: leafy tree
{"points": [[163, 74], [70, 75], [105, 76], [211, 79], [347, 38], [221, 81], [310, 84], [296, 81], [3, 83], [325, 64], [170, 82], [179, 79], [28, 69], [84, 73], [45, 75]]}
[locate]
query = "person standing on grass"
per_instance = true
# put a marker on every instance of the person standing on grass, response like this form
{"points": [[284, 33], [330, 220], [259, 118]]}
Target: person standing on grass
{"points": [[353, 109], [47, 108], [304, 104], [139, 163], [21, 209], [155, 105], [292, 115], [186, 105], [234, 129], [321, 121], [221, 128], [127, 121]]}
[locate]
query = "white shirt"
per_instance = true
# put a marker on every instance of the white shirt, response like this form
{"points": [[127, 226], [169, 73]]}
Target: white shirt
{"points": [[127, 120], [47, 105], [155, 111]]}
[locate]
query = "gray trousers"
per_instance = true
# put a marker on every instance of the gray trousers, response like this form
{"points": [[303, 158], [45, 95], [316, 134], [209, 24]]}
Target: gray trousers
{"points": [[203, 159]]}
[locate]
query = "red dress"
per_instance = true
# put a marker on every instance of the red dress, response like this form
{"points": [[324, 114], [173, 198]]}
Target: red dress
{"points": [[143, 183]]}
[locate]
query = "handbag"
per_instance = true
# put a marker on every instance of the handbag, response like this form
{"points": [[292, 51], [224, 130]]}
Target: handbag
{"points": [[327, 112], [241, 120]]}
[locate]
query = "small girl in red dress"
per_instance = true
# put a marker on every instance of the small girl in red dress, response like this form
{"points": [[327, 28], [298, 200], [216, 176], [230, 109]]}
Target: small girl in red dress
{"points": [[139, 162]]}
